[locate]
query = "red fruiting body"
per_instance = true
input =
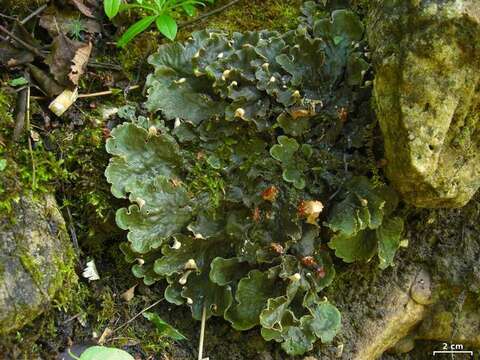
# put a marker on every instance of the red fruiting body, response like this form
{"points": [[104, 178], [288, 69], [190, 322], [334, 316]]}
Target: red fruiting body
{"points": [[106, 132], [308, 261], [270, 193], [256, 215], [277, 248], [301, 209], [343, 114], [320, 272]]}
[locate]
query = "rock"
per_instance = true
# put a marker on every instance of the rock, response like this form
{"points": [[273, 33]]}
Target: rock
{"points": [[457, 325], [426, 56], [404, 346], [35, 254], [421, 290], [397, 319]]}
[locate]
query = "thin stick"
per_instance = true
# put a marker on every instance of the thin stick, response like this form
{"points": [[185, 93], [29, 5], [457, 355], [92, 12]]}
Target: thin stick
{"points": [[100, 65], [8, 17], [202, 333], [30, 148], [89, 95], [210, 13], [23, 43], [32, 15], [73, 234], [140, 313]]}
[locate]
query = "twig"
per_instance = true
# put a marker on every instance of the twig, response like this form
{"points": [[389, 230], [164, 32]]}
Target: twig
{"points": [[20, 110], [210, 13], [89, 95], [140, 313], [202, 333], [23, 43], [100, 65], [30, 148], [33, 14], [106, 92], [73, 234], [8, 17]]}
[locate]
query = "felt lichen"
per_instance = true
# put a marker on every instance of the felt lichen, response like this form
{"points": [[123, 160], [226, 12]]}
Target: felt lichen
{"points": [[256, 146]]}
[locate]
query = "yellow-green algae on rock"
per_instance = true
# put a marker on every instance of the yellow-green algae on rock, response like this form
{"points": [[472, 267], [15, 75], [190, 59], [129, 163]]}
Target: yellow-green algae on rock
{"points": [[35, 254], [427, 97]]}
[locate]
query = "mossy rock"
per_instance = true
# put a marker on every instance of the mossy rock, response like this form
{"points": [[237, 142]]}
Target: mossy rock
{"points": [[35, 254], [426, 56]]}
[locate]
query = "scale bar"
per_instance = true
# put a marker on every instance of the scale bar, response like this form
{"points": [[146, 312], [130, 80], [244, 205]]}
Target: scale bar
{"points": [[452, 352]]}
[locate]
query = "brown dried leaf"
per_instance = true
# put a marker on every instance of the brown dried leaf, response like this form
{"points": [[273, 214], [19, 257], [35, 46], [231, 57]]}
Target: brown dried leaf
{"points": [[68, 60], [129, 294], [60, 59], [10, 56], [55, 21], [83, 8], [79, 63], [23, 34], [46, 83]]}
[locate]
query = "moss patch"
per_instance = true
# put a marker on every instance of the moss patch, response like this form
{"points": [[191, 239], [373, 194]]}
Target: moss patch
{"points": [[278, 15]]}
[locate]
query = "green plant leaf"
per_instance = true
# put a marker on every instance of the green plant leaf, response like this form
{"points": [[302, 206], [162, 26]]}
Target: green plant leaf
{"points": [[252, 295], [167, 26], [19, 81], [325, 321], [163, 328], [297, 341], [105, 353], [224, 271], [175, 258], [358, 247], [189, 9], [3, 164], [285, 149], [216, 299], [111, 7], [135, 29], [389, 236], [272, 316]]}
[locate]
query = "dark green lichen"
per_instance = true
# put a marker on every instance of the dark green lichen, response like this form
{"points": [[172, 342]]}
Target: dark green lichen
{"points": [[256, 133]]}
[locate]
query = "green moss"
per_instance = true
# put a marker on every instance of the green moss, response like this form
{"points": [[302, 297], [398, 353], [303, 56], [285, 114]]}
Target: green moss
{"points": [[134, 55], [29, 263], [278, 15]]}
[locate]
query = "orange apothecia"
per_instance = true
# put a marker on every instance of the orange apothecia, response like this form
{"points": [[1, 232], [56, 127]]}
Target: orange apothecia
{"points": [[270, 193], [256, 214], [277, 248], [343, 114], [310, 209], [308, 261]]}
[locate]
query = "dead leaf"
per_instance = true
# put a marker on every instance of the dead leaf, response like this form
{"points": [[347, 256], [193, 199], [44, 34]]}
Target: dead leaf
{"points": [[129, 294], [10, 56], [46, 83], [68, 60], [80, 61], [54, 21], [23, 34], [105, 335], [83, 8], [13, 54]]}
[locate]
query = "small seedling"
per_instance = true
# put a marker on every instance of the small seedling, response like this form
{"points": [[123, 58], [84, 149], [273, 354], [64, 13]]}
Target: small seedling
{"points": [[160, 12]]}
